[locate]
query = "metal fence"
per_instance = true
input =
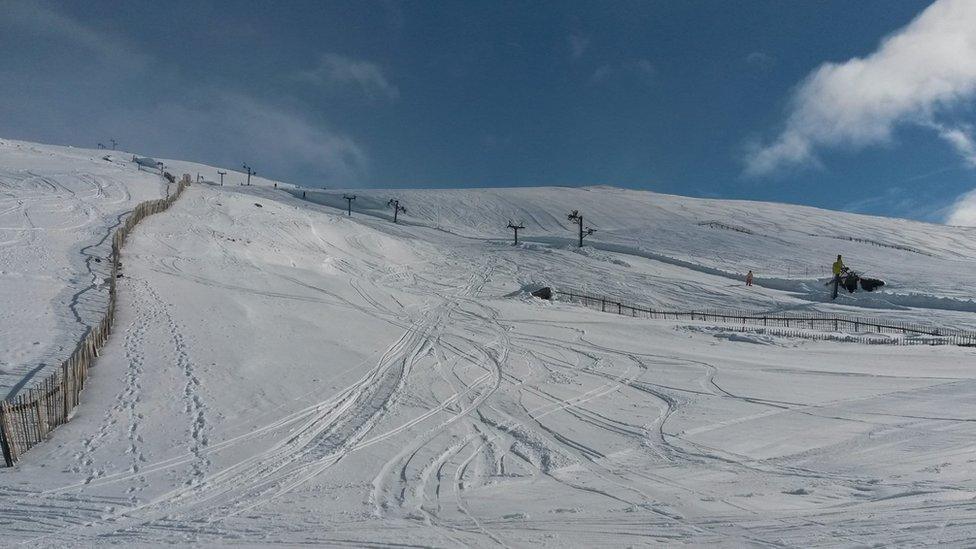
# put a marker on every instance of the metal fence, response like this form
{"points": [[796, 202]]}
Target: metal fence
{"points": [[27, 419], [860, 326]]}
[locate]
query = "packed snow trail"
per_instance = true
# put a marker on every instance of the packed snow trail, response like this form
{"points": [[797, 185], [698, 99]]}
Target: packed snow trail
{"points": [[285, 374]]}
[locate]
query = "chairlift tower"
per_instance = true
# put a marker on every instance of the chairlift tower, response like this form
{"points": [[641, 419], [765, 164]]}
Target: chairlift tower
{"points": [[250, 172], [221, 174], [516, 228], [577, 218], [349, 199], [397, 208]]}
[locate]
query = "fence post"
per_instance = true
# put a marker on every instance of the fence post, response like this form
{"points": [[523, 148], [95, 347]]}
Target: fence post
{"points": [[41, 406], [820, 320], [6, 436]]}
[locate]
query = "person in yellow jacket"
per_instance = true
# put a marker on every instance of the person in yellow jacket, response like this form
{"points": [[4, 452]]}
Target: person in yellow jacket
{"points": [[838, 269]]}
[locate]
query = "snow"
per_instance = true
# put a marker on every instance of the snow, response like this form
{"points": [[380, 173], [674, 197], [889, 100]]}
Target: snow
{"points": [[57, 205], [789, 248], [286, 374]]}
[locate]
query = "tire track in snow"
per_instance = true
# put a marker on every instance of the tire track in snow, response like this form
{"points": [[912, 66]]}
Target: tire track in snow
{"points": [[320, 443]]}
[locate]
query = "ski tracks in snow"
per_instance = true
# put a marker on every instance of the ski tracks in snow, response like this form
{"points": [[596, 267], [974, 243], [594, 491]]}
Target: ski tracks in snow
{"points": [[325, 434], [460, 408]]}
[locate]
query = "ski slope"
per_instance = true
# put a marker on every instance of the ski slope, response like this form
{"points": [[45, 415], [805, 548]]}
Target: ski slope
{"points": [[57, 205], [281, 373], [928, 268]]}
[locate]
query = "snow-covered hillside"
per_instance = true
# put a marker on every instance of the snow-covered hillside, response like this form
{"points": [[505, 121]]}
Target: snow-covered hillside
{"points": [[283, 373], [57, 205], [790, 248]]}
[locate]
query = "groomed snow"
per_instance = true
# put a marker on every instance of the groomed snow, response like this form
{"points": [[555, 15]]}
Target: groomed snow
{"points": [[282, 373]]}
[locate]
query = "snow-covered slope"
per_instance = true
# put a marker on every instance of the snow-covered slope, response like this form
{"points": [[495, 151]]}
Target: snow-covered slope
{"points": [[789, 248], [57, 205], [282, 373]]}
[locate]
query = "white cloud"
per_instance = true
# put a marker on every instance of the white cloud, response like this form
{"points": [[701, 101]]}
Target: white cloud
{"points": [[42, 21], [918, 73], [152, 108], [247, 130], [336, 70], [961, 139], [963, 211]]}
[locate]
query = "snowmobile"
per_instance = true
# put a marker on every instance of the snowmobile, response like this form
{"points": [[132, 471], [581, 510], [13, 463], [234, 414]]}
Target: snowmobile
{"points": [[849, 280], [870, 284]]}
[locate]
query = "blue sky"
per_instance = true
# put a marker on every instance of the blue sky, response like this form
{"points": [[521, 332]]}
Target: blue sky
{"points": [[867, 109]]}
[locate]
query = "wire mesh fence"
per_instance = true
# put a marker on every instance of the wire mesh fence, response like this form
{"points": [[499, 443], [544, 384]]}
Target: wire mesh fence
{"points": [[824, 326], [26, 419]]}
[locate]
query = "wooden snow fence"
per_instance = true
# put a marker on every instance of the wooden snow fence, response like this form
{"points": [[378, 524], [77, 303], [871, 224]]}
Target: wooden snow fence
{"points": [[26, 419], [820, 326]]}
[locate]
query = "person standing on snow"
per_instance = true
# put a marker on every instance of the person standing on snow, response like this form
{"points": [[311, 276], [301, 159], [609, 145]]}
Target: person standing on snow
{"points": [[838, 268], [749, 279]]}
